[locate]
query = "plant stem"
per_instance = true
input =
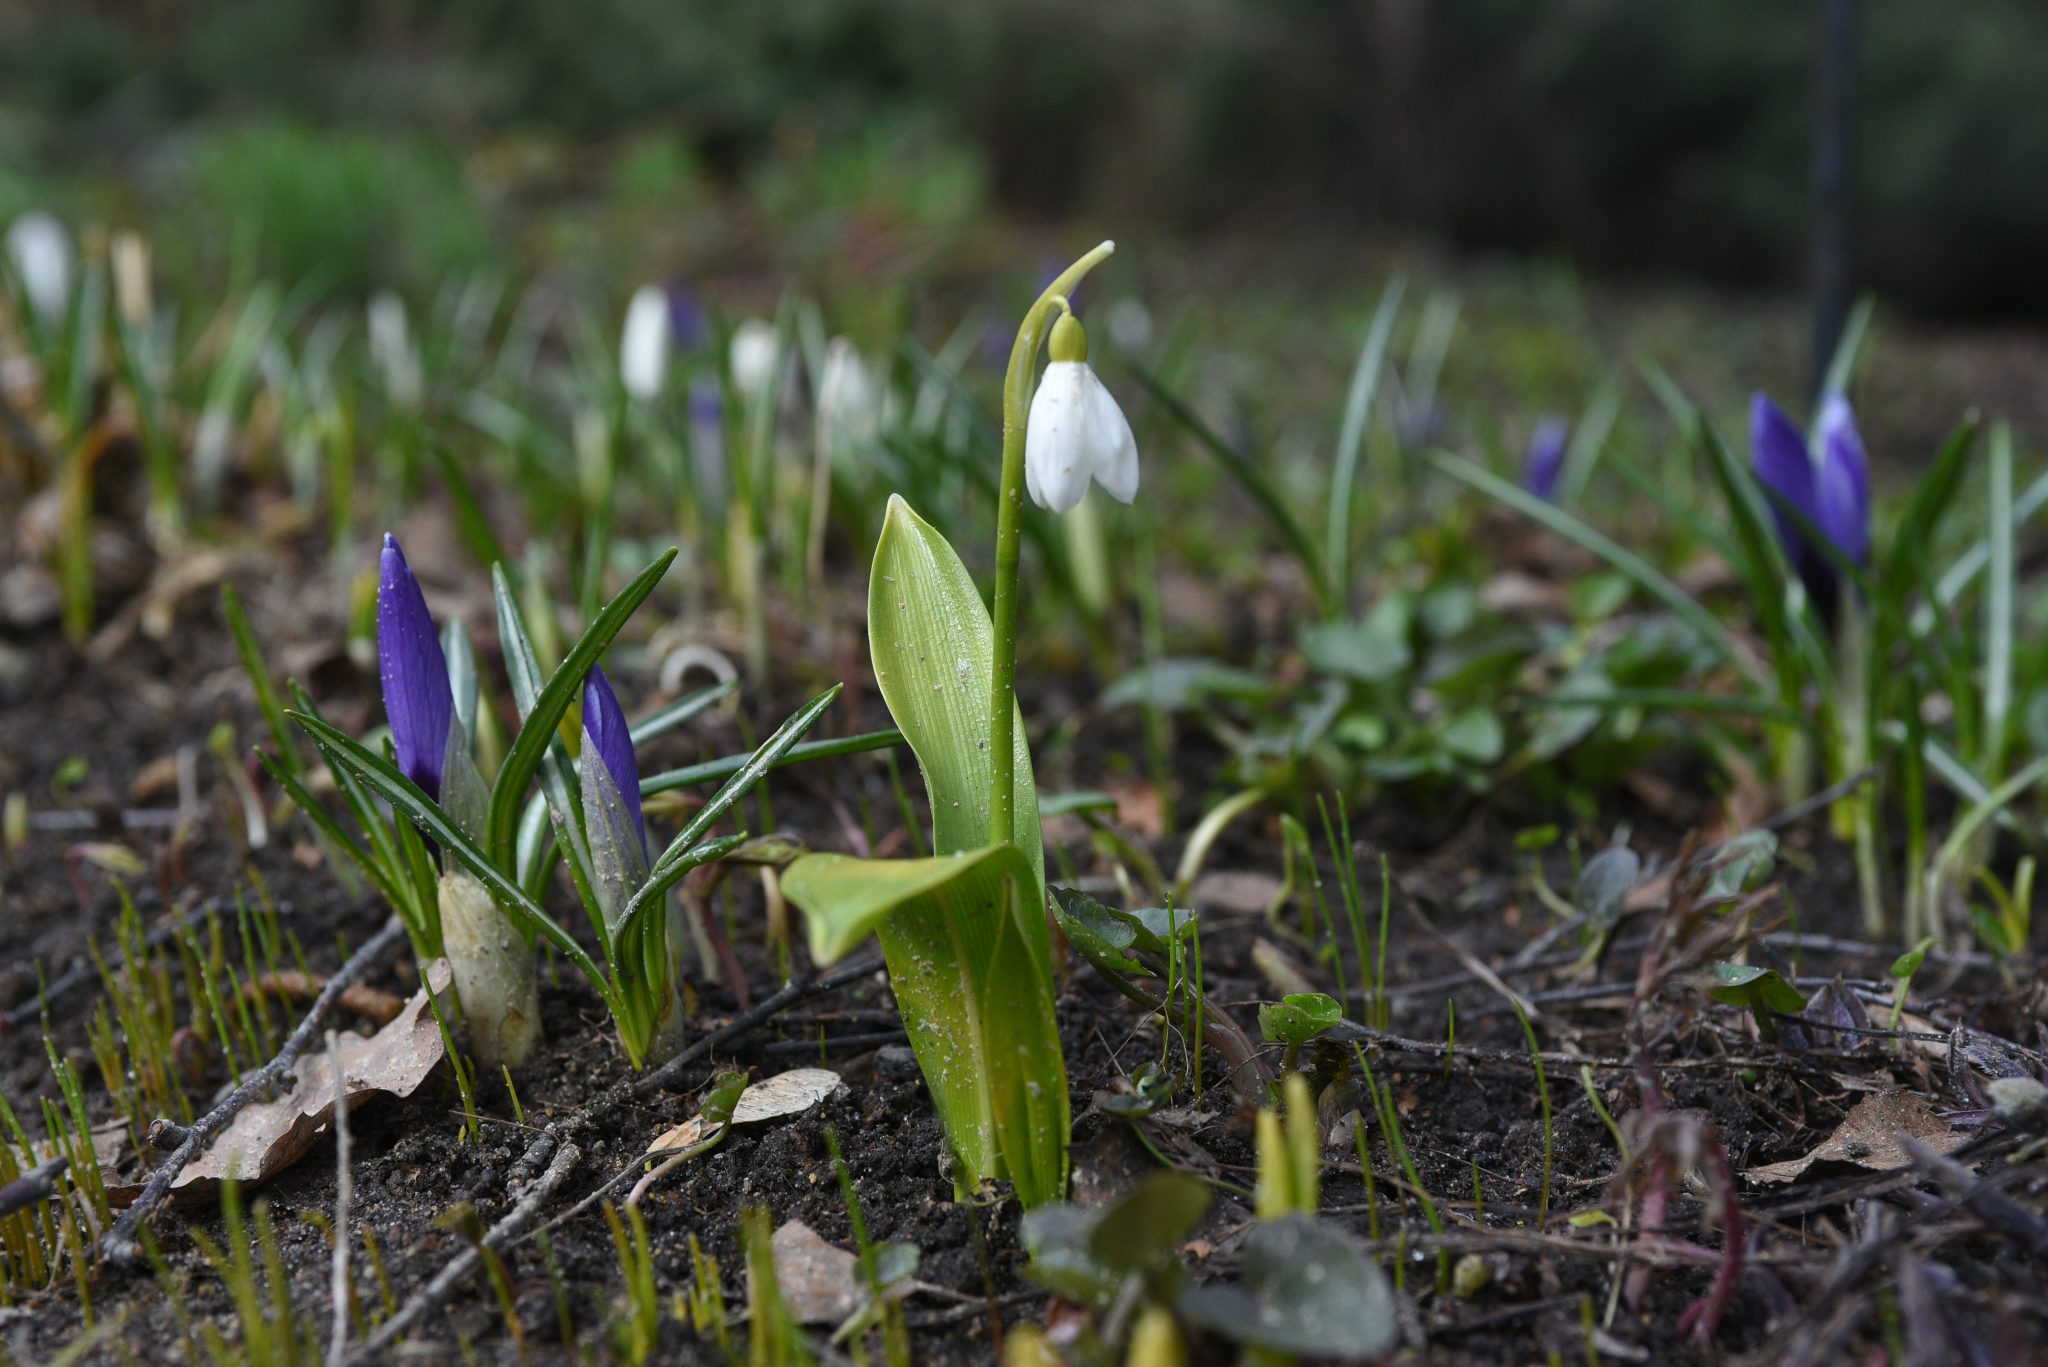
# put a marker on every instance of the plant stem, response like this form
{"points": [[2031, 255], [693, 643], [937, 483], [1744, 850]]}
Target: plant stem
{"points": [[1002, 754]]}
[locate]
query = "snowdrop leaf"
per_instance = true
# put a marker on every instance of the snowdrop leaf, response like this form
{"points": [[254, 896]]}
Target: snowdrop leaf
{"points": [[933, 650], [978, 1009]]}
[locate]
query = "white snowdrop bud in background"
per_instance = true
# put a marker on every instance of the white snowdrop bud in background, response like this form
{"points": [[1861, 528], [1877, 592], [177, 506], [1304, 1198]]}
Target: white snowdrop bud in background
{"points": [[129, 252], [1076, 431], [848, 401], [753, 355], [39, 249], [1130, 324], [643, 349], [391, 350]]}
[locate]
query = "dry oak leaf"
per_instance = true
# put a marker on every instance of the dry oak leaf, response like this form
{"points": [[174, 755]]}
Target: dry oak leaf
{"points": [[785, 1094], [266, 1137], [1868, 1138]]}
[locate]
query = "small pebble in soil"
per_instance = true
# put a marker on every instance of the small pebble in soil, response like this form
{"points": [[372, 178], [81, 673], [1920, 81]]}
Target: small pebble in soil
{"points": [[896, 1062]]}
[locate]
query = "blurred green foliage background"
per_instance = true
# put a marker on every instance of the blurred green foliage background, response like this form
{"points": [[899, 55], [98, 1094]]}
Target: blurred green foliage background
{"points": [[390, 141]]}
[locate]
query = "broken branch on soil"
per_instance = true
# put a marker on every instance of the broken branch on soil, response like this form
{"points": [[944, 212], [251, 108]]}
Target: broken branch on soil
{"points": [[119, 1246], [430, 1296]]}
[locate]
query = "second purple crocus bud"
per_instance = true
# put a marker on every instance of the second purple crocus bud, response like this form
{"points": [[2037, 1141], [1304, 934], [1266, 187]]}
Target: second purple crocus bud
{"points": [[414, 671], [604, 725], [1829, 488], [1543, 462]]}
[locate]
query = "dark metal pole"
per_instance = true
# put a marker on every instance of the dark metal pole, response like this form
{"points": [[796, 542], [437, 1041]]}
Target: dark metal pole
{"points": [[1834, 183]]}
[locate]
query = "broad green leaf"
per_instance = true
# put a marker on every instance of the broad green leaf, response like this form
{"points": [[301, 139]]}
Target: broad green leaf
{"points": [[934, 651], [1097, 934], [1299, 1017], [1760, 991], [1306, 1288], [978, 1008], [1146, 1228], [1907, 964]]}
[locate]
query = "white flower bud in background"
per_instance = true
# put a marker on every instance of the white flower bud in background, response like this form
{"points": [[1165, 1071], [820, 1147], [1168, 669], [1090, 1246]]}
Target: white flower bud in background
{"points": [[643, 348], [1130, 324], [753, 355], [849, 402], [495, 978], [392, 352], [39, 250], [1076, 431], [130, 254]]}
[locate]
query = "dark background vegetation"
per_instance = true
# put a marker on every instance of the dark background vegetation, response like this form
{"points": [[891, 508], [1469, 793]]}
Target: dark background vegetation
{"points": [[372, 139]]}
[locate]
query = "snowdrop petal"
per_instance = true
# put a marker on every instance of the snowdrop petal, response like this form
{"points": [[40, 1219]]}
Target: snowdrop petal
{"points": [[752, 355], [1116, 455], [39, 249], [1057, 461], [643, 349], [1076, 432]]}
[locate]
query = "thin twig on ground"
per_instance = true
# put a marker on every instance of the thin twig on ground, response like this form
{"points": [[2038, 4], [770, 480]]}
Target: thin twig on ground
{"points": [[337, 1341], [119, 1246], [430, 1296]]}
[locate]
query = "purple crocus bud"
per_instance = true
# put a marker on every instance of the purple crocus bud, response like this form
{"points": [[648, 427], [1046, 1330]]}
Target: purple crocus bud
{"points": [[605, 730], [414, 671], [687, 325], [1543, 462], [1832, 494], [1843, 489]]}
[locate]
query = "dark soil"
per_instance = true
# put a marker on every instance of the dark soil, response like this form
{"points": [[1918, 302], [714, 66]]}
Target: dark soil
{"points": [[1479, 1115]]}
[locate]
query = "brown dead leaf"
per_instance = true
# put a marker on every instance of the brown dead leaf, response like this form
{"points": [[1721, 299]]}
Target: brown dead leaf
{"points": [[1280, 973], [1868, 1138], [1139, 808], [1235, 892], [785, 1094], [820, 1281], [267, 1137]]}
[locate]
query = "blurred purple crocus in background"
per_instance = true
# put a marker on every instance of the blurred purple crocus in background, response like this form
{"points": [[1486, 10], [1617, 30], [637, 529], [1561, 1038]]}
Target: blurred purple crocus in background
{"points": [[687, 323], [417, 696], [607, 735], [1829, 487], [1543, 462]]}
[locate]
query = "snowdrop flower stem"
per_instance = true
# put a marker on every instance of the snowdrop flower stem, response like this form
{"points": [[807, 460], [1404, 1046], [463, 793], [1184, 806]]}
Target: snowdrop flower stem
{"points": [[1017, 385]]}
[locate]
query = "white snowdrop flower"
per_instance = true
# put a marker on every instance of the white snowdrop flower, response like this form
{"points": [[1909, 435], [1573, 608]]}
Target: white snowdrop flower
{"points": [[753, 355], [848, 399], [39, 249], [643, 348], [391, 349], [1076, 431]]}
